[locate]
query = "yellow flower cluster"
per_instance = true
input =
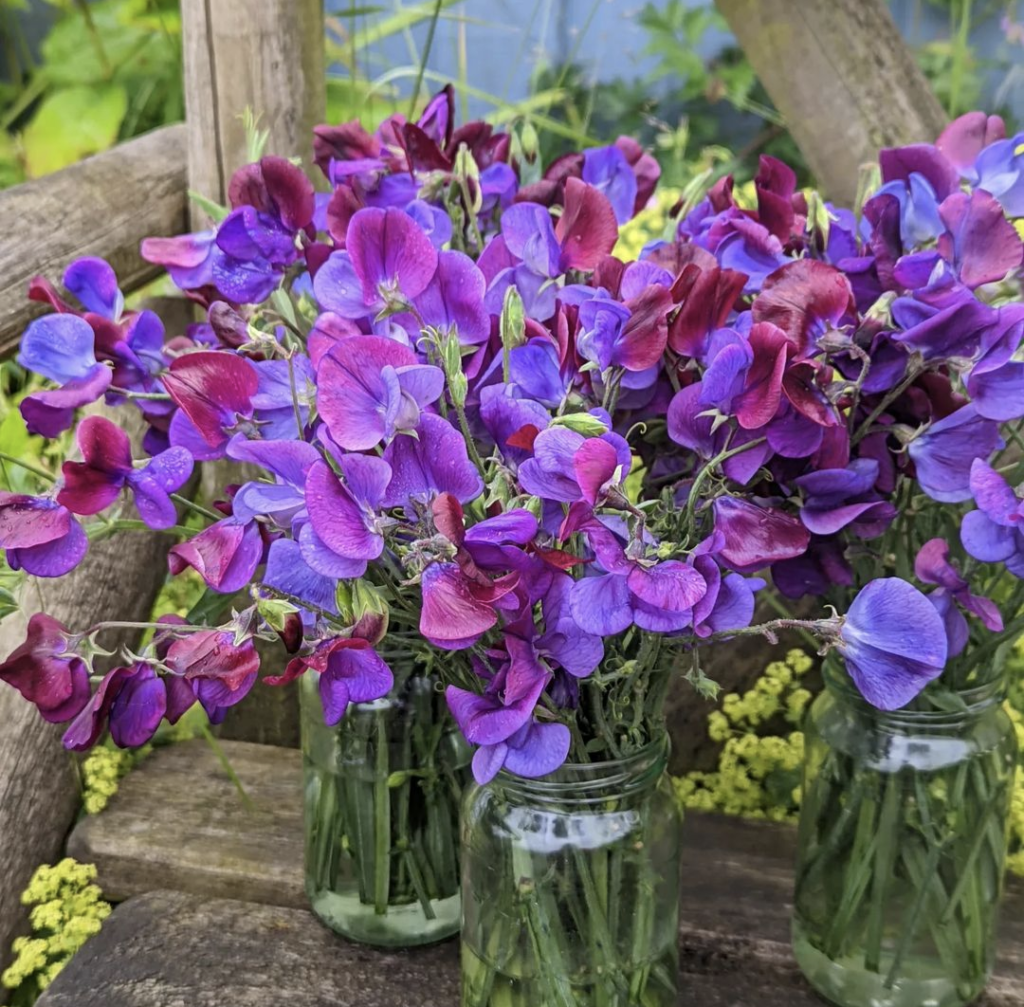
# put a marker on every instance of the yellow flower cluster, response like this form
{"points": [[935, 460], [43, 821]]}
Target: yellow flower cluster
{"points": [[649, 224], [758, 776], [67, 909], [102, 770]]}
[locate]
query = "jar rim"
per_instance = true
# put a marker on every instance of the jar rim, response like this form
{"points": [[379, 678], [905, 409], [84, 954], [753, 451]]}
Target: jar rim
{"points": [[578, 781]]}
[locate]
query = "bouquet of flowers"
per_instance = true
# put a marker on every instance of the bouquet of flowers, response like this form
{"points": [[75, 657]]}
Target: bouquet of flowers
{"points": [[549, 475]]}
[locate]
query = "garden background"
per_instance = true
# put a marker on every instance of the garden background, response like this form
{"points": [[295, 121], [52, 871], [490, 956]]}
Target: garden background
{"points": [[77, 77]]}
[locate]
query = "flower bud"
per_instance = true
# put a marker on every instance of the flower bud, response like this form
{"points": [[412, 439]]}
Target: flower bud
{"points": [[582, 423], [361, 606]]}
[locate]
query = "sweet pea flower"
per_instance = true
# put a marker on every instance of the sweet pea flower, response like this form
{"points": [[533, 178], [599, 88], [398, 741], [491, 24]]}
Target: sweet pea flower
{"points": [[133, 700], [932, 566], [608, 171], [92, 485], [61, 348], [225, 554], [40, 535], [536, 749], [42, 670], [214, 391], [372, 388], [966, 137], [945, 452], [632, 335], [893, 641], [994, 533], [755, 537], [979, 242], [567, 467], [220, 671], [837, 498], [999, 170]]}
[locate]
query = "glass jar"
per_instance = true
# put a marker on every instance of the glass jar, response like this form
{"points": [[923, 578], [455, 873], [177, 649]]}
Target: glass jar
{"points": [[382, 793], [571, 887], [903, 832]]}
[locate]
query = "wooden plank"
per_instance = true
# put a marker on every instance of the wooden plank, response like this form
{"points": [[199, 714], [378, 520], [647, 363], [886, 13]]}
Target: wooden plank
{"points": [[267, 57], [104, 206], [843, 78], [177, 822]]}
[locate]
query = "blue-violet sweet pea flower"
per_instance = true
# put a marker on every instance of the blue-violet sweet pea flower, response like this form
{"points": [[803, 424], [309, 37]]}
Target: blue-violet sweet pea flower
{"points": [[893, 641], [994, 533], [944, 453], [837, 498], [133, 700], [566, 466]]}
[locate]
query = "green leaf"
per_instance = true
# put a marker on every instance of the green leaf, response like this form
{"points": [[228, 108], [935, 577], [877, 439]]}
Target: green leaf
{"points": [[73, 123]]}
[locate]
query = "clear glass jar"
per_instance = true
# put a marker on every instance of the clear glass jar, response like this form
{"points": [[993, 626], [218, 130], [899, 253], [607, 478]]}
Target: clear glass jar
{"points": [[902, 843], [571, 887], [382, 793]]}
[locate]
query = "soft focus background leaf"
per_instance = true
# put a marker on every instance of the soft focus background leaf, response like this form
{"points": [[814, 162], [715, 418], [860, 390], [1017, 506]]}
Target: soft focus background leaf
{"points": [[71, 124]]}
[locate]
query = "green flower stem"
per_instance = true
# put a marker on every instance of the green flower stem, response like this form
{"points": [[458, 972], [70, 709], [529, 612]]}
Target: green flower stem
{"points": [[28, 467], [909, 929], [885, 859], [382, 821]]}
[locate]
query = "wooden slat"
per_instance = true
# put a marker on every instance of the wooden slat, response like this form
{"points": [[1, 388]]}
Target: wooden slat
{"points": [[104, 206], [177, 822], [843, 78]]}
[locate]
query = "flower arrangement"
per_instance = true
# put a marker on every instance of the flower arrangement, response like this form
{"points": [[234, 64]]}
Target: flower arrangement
{"points": [[481, 435]]}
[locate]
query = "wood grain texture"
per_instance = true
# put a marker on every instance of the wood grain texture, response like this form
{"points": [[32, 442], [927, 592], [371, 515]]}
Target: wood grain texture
{"points": [[266, 56], [843, 78], [104, 206], [177, 822]]}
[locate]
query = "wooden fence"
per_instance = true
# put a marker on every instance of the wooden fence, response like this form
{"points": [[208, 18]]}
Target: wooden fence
{"points": [[267, 55]]}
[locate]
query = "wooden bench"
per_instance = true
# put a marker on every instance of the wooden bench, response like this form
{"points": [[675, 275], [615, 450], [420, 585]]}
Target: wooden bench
{"points": [[215, 912]]}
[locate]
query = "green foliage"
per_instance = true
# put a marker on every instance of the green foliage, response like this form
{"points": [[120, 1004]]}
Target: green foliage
{"points": [[67, 909], [107, 71]]}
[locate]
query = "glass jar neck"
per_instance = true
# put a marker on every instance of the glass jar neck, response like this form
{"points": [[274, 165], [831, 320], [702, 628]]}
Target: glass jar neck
{"points": [[937, 706], [593, 782]]}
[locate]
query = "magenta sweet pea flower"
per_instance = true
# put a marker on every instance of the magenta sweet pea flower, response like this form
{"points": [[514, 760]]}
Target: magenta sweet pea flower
{"points": [[372, 388], [40, 535], [756, 536], [567, 467], [41, 669], [214, 390], [219, 670], [893, 641], [225, 554], [932, 566], [93, 485], [979, 243]]}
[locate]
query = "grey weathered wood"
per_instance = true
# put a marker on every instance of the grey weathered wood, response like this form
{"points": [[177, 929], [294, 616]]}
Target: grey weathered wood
{"points": [[177, 822], [267, 57], [843, 78], [104, 206]]}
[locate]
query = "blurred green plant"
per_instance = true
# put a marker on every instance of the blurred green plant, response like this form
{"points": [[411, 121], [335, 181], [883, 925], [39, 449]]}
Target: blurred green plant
{"points": [[106, 71]]}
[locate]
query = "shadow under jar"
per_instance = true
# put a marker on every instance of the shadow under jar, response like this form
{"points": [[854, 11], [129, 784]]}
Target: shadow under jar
{"points": [[902, 845], [382, 793], [571, 887]]}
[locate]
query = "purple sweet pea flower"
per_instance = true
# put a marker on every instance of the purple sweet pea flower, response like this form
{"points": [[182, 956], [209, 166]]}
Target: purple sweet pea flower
{"points": [[61, 348], [932, 566], [39, 535], [996, 382], [225, 554], [387, 261], [93, 282], [729, 601], [284, 499], [434, 461], [535, 370], [632, 336], [372, 388], [656, 596], [273, 403], [893, 641], [134, 700], [452, 302], [567, 467], [353, 673], [821, 567], [94, 484], [512, 421], [344, 517], [994, 533], [56, 682], [837, 498], [979, 243], [188, 258], [920, 222], [944, 453], [999, 170], [535, 750], [288, 571]]}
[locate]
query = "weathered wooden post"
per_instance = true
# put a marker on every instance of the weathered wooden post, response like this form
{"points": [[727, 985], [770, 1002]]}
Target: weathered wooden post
{"points": [[266, 57], [841, 74]]}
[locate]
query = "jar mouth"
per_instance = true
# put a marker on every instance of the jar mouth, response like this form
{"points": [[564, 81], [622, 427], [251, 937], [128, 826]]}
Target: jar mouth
{"points": [[937, 705], [577, 782]]}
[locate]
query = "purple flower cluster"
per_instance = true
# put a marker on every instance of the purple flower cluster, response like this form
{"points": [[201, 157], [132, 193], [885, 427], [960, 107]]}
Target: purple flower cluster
{"points": [[550, 462]]}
